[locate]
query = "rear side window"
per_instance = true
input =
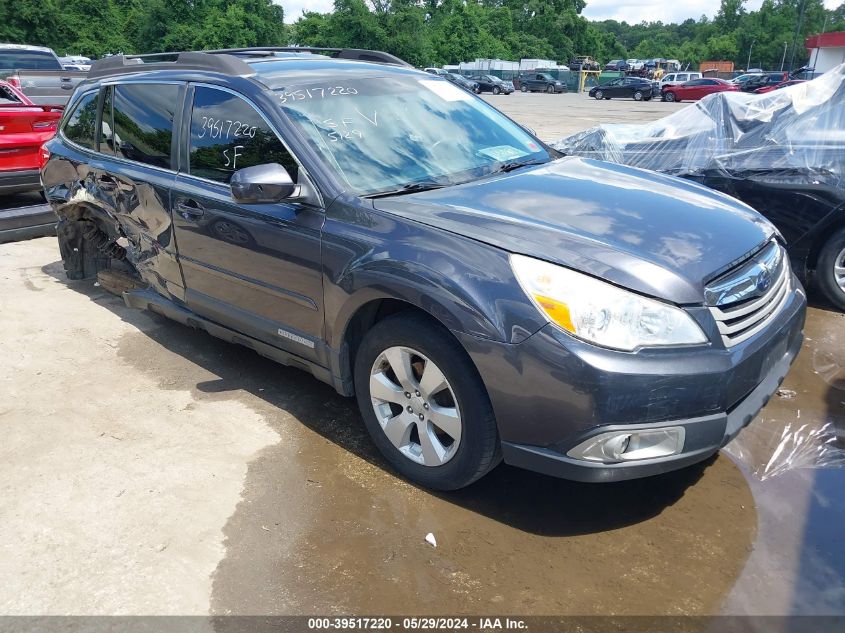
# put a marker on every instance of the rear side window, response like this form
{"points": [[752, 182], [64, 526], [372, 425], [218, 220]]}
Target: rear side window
{"points": [[82, 122], [143, 122], [683, 77], [28, 60], [228, 134]]}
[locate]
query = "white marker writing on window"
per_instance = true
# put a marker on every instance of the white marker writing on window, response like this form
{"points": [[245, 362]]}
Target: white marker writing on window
{"points": [[235, 155]]}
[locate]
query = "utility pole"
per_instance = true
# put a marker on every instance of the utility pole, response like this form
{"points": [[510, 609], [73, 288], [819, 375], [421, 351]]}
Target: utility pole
{"points": [[750, 48], [783, 59], [795, 37]]}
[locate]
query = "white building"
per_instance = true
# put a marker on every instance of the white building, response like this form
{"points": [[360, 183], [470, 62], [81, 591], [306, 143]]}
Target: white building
{"points": [[484, 66], [827, 50]]}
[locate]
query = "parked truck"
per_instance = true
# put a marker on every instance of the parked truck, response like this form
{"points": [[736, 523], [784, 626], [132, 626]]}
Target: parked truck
{"points": [[38, 73]]}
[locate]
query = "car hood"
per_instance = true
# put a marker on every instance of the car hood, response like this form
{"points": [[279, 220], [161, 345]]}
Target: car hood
{"points": [[655, 234]]}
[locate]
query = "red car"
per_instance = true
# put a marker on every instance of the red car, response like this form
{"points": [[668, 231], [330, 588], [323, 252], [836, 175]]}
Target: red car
{"points": [[696, 89], [24, 128], [783, 84]]}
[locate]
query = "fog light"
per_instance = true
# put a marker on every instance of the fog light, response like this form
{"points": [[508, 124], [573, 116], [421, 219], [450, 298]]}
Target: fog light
{"points": [[624, 446]]}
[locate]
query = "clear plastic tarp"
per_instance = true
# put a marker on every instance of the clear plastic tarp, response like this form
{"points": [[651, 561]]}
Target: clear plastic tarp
{"points": [[794, 134]]}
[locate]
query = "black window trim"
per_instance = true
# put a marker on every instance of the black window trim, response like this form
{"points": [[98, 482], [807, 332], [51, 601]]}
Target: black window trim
{"points": [[100, 89], [184, 153]]}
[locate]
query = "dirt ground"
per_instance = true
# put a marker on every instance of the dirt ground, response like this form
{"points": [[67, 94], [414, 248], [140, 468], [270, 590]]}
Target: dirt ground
{"points": [[151, 469]]}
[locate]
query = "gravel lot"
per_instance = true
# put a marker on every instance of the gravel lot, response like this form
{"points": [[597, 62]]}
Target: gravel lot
{"points": [[150, 469]]}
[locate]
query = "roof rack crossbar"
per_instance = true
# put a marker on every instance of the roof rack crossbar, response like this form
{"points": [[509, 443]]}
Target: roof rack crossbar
{"points": [[124, 64], [360, 54]]}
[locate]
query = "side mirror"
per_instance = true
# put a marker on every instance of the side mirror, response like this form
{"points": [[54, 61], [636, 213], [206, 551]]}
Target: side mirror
{"points": [[262, 184]]}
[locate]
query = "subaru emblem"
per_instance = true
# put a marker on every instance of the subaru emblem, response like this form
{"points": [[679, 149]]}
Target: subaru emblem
{"points": [[764, 280]]}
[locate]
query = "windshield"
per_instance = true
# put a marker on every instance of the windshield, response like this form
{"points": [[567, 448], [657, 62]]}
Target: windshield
{"points": [[383, 133]]}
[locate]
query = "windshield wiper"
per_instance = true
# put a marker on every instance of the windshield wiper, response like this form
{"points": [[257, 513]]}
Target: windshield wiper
{"points": [[412, 187], [516, 164]]}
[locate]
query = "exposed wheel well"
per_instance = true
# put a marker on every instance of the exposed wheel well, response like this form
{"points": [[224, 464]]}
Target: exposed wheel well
{"points": [[818, 244], [87, 242], [365, 318]]}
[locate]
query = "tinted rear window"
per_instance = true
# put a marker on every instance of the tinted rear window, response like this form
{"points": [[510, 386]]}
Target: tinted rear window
{"points": [[143, 122], [29, 60], [82, 122]]}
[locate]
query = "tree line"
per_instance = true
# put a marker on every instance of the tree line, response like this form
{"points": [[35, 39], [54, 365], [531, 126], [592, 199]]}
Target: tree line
{"points": [[423, 32]]}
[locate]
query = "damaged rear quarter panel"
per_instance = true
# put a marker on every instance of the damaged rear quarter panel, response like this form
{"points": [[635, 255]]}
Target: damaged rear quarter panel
{"points": [[134, 204]]}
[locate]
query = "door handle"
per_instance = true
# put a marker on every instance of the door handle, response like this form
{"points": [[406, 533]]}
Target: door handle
{"points": [[189, 209]]}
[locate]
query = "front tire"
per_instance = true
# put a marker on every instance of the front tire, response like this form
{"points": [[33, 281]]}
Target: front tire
{"points": [[830, 271], [599, 95], [670, 97], [496, 90], [550, 89], [445, 438]]}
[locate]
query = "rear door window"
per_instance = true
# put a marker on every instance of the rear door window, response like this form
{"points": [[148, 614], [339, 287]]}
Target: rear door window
{"points": [[228, 134], [82, 122], [143, 122]]}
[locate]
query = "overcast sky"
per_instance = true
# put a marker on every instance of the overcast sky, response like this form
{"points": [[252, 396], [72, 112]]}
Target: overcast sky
{"points": [[632, 11]]}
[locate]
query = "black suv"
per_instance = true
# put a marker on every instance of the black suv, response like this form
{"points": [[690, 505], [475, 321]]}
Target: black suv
{"points": [[482, 296], [540, 82]]}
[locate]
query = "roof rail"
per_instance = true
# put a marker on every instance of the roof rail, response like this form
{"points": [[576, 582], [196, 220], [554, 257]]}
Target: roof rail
{"points": [[360, 54], [124, 64]]}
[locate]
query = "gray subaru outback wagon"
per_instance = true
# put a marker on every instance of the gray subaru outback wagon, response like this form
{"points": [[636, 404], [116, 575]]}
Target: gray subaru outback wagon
{"points": [[483, 296]]}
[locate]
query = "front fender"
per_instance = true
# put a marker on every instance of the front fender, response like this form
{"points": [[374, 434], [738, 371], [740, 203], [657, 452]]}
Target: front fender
{"points": [[469, 287]]}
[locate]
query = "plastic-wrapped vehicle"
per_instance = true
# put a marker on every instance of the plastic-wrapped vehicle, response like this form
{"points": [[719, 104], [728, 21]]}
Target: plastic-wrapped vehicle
{"points": [[782, 152]]}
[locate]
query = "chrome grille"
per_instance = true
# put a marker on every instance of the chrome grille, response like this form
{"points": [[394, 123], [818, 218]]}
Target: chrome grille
{"points": [[744, 300]]}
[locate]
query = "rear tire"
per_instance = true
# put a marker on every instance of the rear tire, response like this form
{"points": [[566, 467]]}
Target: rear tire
{"points": [[638, 95], [523, 88], [422, 344], [830, 269]]}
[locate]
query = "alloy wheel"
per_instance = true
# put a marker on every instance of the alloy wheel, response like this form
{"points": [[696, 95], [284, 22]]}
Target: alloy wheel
{"points": [[839, 270], [415, 406]]}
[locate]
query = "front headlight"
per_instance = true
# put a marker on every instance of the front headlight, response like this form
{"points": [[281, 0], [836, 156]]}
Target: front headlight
{"points": [[600, 312]]}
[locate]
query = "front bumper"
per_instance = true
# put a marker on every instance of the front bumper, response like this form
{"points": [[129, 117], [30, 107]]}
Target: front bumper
{"points": [[19, 180], [552, 392]]}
